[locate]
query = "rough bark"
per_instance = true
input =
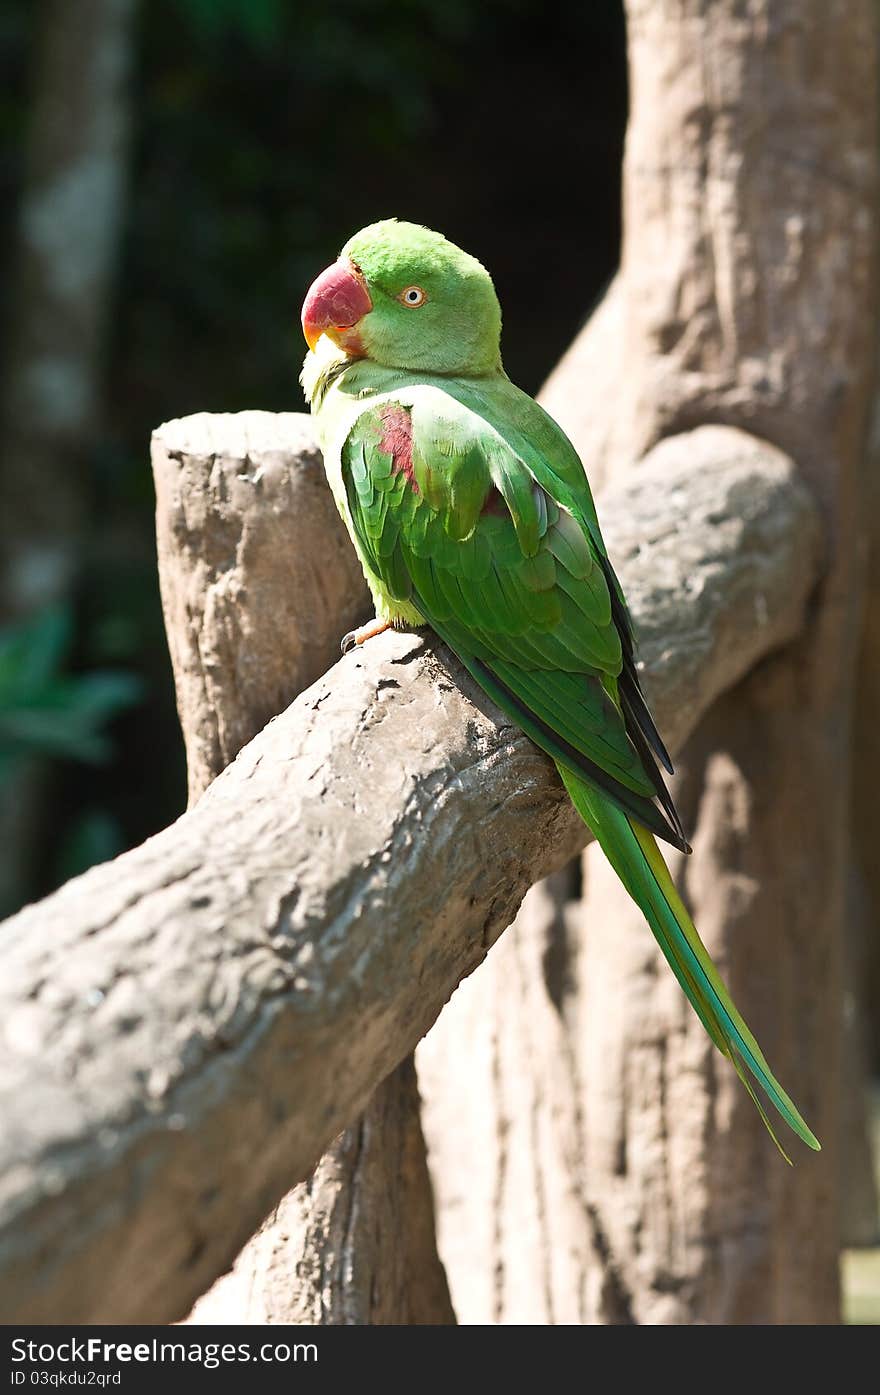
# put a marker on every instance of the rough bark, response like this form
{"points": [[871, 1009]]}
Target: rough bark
{"points": [[861, 1015], [505, 1137], [189, 1026], [866, 825], [859, 1196], [865, 822], [259, 582], [746, 295], [354, 1243], [581, 391]]}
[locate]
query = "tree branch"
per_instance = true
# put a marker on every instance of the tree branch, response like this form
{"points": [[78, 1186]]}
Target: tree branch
{"points": [[259, 583], [188, 1026], [259, 580]]}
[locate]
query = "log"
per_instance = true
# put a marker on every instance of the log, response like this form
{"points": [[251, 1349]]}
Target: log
{"points": [[746, 295], [188, 1027], [355, 1242], [259, 582]]}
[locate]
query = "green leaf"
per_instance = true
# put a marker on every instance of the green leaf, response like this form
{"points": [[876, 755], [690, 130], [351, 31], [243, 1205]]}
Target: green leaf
{"points": [[45, 711], [260, 21], [31, 652]]}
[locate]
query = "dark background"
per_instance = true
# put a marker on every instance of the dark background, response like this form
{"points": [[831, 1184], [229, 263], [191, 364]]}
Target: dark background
{"points": [[263, 134]]}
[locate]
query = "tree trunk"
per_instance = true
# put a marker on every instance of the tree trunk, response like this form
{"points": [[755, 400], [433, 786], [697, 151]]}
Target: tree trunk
{"points": [[746, 295], [865, 822], [259, 582], [69, 226], [861, 1015], [355, 1244]]}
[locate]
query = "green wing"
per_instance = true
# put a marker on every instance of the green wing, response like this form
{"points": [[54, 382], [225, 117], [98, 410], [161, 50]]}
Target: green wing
{"points": [[510, 570]]}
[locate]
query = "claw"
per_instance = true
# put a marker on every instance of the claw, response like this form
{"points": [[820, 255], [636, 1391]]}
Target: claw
{"points": [[361, 635]]}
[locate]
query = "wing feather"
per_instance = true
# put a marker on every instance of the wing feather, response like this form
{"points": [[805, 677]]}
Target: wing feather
{"points": [[451, 518]]}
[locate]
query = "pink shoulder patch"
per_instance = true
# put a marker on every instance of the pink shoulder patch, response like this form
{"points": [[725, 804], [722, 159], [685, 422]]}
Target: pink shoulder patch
{"points": [[396, 440]]}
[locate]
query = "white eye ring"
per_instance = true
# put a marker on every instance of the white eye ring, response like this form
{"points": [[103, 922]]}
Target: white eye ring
{"points": [[412, 297]]}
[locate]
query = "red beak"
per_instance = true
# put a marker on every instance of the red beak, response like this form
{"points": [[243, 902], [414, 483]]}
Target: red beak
{"points": [[338, 300]]}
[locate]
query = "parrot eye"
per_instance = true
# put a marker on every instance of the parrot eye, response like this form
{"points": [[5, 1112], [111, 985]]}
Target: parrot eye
{"points": [[413, 296]]}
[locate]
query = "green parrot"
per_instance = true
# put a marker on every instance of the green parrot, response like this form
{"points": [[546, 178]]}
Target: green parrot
{"points": [[471, 512]]}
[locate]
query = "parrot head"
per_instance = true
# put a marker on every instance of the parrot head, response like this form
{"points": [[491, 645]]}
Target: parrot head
{"points": [[404, 297]]}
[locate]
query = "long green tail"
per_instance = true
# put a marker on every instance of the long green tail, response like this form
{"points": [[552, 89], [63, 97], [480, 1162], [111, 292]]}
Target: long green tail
{"points": [[636, 859]]}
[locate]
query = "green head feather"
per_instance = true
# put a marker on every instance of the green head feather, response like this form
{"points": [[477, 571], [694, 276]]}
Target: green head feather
{"points": [[455, 328]]}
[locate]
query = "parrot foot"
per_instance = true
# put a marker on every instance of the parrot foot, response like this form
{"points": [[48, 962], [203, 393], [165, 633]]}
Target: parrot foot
{"points": [[360, 636]]}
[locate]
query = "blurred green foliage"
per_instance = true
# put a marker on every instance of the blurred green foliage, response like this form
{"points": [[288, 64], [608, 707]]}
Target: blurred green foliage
{"points": [[44, 708], [265, 132], [260, 21], [53, 718]]}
